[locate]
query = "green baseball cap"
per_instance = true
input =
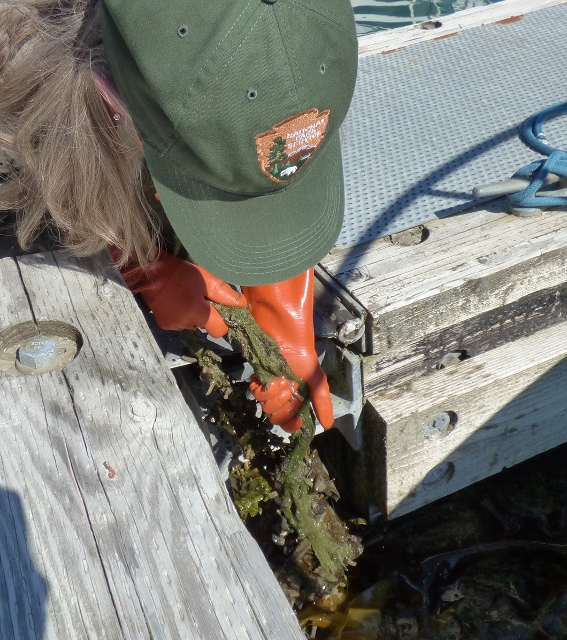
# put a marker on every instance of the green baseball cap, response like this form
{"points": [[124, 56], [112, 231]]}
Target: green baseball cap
{"points": [[238, 104]]}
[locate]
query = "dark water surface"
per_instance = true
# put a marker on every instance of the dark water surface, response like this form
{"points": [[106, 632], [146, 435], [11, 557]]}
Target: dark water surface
{"points": [[486, 563]]}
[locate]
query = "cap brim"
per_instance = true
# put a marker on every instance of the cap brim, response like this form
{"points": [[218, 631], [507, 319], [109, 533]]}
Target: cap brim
{"points": [[260, 239]]}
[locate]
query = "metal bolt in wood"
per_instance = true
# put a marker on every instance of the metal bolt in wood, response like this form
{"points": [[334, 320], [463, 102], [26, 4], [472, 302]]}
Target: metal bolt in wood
{"points": [[33, 348]]}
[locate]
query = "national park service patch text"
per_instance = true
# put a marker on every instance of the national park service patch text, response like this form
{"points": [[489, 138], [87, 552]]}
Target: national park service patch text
{"points": [[287, 146]]}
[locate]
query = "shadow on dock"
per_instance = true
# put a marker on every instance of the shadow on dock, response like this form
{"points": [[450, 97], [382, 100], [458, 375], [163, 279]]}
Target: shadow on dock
{"points": [[23, 590], [536, 417], [426, 187]]}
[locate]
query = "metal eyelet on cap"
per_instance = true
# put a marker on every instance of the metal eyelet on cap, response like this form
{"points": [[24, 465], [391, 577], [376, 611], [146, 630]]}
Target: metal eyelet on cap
{"points": [[183, 31], [322, 68], [251, 94]]}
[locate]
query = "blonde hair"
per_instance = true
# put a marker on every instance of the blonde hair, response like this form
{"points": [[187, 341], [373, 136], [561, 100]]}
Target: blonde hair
{"points": [[73, 173]]}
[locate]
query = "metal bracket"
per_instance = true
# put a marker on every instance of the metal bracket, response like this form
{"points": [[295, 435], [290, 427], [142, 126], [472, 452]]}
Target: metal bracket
{"points": [[344, 372], [338, 314]]}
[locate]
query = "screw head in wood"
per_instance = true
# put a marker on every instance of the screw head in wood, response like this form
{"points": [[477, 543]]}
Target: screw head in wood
{"points": [[441, 473], [438, 424], [38, 352]]}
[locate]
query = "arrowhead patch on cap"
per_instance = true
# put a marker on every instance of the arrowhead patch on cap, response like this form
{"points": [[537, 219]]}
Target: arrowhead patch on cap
{"points": [[287, 146]]}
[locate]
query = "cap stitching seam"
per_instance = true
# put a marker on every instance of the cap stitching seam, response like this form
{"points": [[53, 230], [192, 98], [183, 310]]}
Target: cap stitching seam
{"points": [[239, 46], [233, 26], [306, 245], [177, 166], [300, 234], [207, 60], [323, 19], [286, 53], [248, 267], [296, 250]]}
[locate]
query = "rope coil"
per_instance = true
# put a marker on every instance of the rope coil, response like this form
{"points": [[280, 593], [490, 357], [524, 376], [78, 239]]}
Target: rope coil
{"points": [[555, 163]]}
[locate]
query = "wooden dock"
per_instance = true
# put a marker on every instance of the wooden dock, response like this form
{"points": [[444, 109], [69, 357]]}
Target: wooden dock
{"points": [[114, 520], [469, 327], [465, 367], [115, 523]]}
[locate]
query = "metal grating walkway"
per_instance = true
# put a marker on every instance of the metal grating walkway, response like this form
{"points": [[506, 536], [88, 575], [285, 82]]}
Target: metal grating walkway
{"points": [[431, 121]]}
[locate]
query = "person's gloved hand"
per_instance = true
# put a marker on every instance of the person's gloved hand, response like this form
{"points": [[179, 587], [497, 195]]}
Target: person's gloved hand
{"points": [[178, 293], [284, 310]]}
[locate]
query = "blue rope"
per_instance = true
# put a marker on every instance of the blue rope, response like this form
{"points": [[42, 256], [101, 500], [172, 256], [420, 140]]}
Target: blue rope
{"points": [[532, 133]]}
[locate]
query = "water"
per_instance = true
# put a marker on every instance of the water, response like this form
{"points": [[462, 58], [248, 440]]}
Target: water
{"points": [[377, 15]]}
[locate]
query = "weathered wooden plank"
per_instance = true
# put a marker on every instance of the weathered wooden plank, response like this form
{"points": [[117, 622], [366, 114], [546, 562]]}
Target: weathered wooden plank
{"points": [[470, 264], [476, 335], [393, 39], [122, 524], [508, 405], [48, 545]]}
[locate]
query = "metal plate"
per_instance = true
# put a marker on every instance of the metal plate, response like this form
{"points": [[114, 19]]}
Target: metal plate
{"points": [[431, 121]]}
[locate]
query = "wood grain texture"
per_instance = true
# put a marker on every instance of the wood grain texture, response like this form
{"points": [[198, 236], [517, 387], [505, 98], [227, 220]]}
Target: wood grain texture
{"points": [[469, 338], [115, 522], [394, 39], [470, 264], [510, 405], [485, 283]]}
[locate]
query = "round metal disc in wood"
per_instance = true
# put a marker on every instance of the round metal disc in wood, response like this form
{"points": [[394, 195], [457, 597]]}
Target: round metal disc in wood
{"points": [[68, 341]]}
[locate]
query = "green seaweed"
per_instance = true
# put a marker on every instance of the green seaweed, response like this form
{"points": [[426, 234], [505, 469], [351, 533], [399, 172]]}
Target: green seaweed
{"points": [[327, 535], [261, 351], [307, 511], [209, 363], [249, 490]]}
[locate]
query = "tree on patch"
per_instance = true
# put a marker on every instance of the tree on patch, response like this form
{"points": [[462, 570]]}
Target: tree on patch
{"points": [[277, 155]]}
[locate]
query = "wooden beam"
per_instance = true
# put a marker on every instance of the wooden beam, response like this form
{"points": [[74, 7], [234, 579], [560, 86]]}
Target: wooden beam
{"points": [[491, 288], [427, 437], [470, 264], [115, 522], [484, 287], [507, 405], [467, 339], [394, 39]]}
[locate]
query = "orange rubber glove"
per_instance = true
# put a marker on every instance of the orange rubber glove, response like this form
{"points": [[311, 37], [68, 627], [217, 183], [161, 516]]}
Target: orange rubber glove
{"points": [[284, 310], [178, 293]]}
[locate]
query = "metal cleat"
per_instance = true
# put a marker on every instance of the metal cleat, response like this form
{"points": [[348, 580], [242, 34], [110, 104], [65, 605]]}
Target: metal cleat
{"points": [[516, 185], [523, 188], [528, 212], [506, 187]]}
